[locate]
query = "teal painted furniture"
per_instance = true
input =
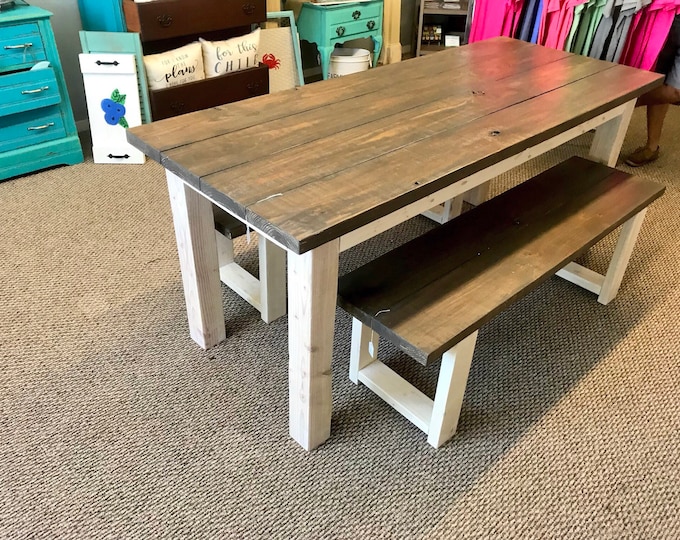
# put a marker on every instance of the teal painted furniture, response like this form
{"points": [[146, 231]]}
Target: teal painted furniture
{"points": [[121, 43], [330, 25], [102, 15], [37, 129]]}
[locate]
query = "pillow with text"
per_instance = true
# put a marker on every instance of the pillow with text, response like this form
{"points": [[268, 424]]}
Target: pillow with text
{"points": [[175, 67], [235, 54]]}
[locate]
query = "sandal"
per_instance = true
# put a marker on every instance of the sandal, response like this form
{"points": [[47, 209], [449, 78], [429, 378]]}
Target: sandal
{"points": [[642, 156]]}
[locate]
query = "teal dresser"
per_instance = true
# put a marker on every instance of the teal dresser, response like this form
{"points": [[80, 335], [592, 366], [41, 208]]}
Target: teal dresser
{"points": [[37, 129], [330, 25], [102, 15]]}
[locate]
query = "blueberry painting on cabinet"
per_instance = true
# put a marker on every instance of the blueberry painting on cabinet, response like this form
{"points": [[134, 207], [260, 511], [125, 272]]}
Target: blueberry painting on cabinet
{"points": [[114, 109], [113, 105]]}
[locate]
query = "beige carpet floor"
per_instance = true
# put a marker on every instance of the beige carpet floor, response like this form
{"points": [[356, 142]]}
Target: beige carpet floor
{"points": [[114, 424]]}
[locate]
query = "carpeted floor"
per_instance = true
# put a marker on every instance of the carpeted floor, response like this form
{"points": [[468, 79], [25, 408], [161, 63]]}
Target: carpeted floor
{"points": [[114, 424]]}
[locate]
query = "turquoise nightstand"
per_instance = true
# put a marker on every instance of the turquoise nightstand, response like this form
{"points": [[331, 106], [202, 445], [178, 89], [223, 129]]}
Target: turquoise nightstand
{"points": [[37, 129], [328, 25]]}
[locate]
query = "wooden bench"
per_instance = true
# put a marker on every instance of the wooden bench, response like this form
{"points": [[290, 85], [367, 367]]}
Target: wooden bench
{"points": [[431, 295], [266, 294]]}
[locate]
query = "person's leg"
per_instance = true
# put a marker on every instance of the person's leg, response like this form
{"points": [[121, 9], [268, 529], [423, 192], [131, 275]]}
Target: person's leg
{"points": [[655, 117], [656, 113], [658, 99]]}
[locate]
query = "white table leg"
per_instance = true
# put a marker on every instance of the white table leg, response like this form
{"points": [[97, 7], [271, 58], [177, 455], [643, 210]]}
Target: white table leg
{"points": [[608, 139], [197, 249], [312, 292]]}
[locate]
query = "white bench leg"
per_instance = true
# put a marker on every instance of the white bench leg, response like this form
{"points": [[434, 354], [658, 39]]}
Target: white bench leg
{"points": [[272, 280], [607, 286], [621, 257], [225, 249], [448, 399], [478, 195], [447, 211], [267, 294], [364, 349], [438, 418]]}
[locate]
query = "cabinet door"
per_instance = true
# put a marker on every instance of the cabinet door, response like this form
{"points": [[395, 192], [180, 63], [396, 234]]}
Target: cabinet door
{"points": [[110, 82]]}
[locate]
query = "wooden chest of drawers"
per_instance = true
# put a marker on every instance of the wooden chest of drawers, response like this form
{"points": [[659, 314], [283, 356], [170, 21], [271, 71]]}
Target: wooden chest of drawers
{"points": [[166, 19], [37, 129], [167, 24]]}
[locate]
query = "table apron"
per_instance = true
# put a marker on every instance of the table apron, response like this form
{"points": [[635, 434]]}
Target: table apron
{"points": [[479, 178]]}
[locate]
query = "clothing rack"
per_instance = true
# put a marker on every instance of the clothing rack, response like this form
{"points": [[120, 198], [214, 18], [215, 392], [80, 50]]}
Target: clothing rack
{"points": [[623, 31]]}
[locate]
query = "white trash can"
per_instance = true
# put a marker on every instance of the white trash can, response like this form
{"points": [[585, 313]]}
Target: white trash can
{"points": [[346, 61]]}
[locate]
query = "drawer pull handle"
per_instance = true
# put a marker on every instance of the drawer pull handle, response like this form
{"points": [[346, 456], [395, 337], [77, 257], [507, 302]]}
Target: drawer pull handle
{"points": [[112, 156], [253, 87], [164, 20], [100, 63], [370, 25], [340, 30], [248, 9], [356, 14], [36, 90], [177, 106], [22, 46], [39, 128]]}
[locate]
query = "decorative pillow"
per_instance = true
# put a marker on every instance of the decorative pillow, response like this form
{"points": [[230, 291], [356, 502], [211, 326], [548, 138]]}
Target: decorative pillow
{"points": [[175, 67], [235, 54]]}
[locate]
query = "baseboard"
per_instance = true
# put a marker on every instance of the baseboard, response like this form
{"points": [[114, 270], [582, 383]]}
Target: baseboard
{"points": [[82, 125]]}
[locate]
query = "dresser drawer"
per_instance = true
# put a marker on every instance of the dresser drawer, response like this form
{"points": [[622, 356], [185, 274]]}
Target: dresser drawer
{"points": [[209, 92], [164, 19], [26, 90], [357, 12], [21, 46], [346, 30], [32, 127]]}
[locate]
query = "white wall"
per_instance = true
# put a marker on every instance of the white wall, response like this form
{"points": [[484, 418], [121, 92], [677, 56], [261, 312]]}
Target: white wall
{"points": [[66, 25]]}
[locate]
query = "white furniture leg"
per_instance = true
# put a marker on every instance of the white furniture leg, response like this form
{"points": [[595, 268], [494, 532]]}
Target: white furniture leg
{"points": [[446, 211], [608, 139], [448, 399], [478, 195], [438, 418], [312, 294], [272, 261], [607, 286], [621, 257], [364, 349], [267, 294], [195, 235]]}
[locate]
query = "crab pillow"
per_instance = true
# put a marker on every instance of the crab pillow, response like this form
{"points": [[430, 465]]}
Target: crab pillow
{"points": [[235, 54], [276, 51]]}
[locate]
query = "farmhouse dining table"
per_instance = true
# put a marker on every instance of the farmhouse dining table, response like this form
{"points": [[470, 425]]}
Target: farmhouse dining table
{"points": [[323, 167]]}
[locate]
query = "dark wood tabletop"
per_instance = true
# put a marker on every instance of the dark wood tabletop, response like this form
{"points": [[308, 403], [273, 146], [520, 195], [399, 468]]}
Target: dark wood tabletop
{"points": [[311, 164]]}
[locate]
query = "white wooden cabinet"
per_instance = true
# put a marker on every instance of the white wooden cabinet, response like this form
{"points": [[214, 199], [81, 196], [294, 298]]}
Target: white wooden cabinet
{"points": [[112, 104]]}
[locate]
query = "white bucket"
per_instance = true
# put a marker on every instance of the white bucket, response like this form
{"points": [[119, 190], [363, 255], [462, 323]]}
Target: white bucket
{"points": [[346, 61]]}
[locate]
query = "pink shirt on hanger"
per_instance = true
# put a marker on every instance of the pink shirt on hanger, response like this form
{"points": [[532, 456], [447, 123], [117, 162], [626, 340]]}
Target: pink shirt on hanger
{"points": [[550, 20], [648, 33], [494, 18]]}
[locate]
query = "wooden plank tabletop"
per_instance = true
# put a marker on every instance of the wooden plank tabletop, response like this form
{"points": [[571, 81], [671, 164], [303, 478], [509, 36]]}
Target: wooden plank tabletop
{"points": [[311, 164]]}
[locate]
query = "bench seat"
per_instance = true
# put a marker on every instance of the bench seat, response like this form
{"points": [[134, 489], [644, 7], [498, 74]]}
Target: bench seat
{"points": [[431, 295]]}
